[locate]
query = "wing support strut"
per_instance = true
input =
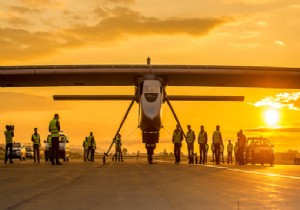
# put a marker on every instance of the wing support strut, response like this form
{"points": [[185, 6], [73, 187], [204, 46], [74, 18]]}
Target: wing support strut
{"points": [[178, 122], [123, 120]]}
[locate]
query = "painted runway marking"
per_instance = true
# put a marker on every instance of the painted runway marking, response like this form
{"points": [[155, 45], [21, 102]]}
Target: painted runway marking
{"points": [[255, 172]]}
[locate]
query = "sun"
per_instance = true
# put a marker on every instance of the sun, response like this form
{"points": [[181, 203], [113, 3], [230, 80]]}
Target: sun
{"points": [[271, 117]]}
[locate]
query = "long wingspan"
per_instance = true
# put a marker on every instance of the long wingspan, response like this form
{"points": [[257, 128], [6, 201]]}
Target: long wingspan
{"points": [[173, 75], [130, 97]]}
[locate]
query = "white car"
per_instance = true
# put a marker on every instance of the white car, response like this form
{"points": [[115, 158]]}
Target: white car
{"points": [[18, 151], [64, 147]]}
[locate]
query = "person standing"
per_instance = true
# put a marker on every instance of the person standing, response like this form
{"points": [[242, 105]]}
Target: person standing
{"points": [[202, 141], [93, 143], [36, 140], [9, 134], [190, 138], [217, 141], [229, 152], [177, 139], [242, 147], [118, 155], [89, 145], [54, 128], [85, 148]]}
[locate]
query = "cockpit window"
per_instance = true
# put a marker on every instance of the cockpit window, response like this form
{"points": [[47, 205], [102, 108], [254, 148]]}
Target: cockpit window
{"points": [[151, 89]]}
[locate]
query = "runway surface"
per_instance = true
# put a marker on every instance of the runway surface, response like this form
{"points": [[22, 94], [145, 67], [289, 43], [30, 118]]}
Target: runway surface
{"points": [[136, 185]]}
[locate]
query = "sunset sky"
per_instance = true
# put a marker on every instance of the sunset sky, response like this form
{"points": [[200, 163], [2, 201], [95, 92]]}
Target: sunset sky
{"points": [[215, 32]]}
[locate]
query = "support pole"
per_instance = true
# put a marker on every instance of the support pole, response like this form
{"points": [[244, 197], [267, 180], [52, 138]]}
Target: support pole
{"points": [[113, 141]]}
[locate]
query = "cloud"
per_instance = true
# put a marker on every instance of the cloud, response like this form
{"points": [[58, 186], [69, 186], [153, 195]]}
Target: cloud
{"points": [[288, 100], [119, 25], [12, 102], [279, 43]]}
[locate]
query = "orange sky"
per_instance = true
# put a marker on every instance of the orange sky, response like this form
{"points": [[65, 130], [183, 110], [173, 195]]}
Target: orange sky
{"points": [[218, 32]]}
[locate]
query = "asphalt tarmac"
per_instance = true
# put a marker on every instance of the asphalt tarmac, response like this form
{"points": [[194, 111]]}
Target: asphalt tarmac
{"points": [[134, 184]]}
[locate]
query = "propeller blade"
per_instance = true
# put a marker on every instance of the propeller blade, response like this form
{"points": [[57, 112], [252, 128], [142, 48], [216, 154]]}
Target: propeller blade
{"points": [[205, 98], [93, 97]]}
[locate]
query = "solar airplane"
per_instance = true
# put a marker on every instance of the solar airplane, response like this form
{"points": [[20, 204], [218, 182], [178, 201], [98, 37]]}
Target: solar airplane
{"points": [[150, 82]]}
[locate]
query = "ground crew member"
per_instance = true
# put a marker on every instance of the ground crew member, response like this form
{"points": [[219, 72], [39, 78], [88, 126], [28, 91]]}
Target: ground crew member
{"points": [[54, 128], [229, 152], [206, 152], [177, 139], [222, 153], [85, 148], [242, 146], [118, 155], [93, 149], [236, 148], [190, 138], [213, 152], [36, 140], [217, 140], [9, 134], [202, 141], [89, 144]]}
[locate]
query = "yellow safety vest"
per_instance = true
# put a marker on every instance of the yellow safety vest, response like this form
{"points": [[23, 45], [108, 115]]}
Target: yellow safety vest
{"points": [[53, 129], [8, 137], [86, 146], [201, 137], [190, 136], [36, 138], [94, 144], [177, 137], [118, 143], [229, 147], [217, 137], [49, 141], [89, 140]]}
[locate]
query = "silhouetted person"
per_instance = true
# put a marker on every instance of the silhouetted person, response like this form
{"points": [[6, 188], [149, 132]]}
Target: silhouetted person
{"points": [[54, 128], [177, 139], [9, 134], [242, 147], [36, 140], [190, 138], [229, 152], [217, 140], [202, 141]]}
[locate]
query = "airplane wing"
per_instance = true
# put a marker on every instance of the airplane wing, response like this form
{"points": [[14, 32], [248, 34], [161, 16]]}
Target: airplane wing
{"points": [[130, 97], [172, 75]]}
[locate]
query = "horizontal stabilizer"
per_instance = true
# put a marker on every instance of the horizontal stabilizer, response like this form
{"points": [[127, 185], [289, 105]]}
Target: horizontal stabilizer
{"points": [[92, 97], [205, 98]]}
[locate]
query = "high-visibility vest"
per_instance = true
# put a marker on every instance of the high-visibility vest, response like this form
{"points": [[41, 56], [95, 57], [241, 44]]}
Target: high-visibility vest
{"points": [[217, 137], [8, 137], [94, 144], [177, 137], [229, 147], [49, 141], [118, 142], [201, 137], [53, 129], [36, 138], [190, 136], [89, 140], [86, 146]]}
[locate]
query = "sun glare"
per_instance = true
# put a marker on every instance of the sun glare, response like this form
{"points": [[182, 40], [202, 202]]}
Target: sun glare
{"points": [[271, 117]]}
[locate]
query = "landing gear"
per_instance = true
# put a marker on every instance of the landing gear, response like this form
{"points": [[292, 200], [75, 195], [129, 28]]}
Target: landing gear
{"points": [[150, 150]]}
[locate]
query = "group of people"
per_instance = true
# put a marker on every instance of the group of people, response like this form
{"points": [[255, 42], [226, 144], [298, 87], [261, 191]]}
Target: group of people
{"points": [[54, 129], [89, 147], [217, 146]]}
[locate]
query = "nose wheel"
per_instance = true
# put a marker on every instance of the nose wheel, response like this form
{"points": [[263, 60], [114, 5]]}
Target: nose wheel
{"points": [[150, 151]]}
